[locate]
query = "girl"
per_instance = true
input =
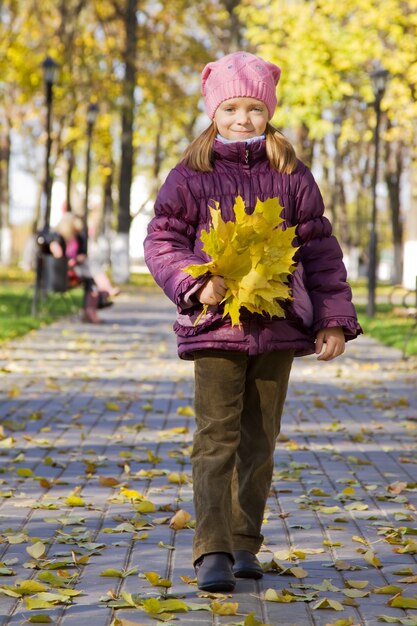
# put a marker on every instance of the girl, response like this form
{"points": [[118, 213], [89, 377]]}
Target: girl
{"points": [[67, 240], [241, 372]]}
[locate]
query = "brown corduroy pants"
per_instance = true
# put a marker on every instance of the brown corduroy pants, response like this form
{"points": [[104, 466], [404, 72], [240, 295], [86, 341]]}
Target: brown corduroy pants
{"points": [[238, 404]]}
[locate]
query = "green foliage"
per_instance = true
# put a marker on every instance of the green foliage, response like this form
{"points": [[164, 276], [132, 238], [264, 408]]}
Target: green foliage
{"points": [[326, 51], [13, 275], [88, 40]]}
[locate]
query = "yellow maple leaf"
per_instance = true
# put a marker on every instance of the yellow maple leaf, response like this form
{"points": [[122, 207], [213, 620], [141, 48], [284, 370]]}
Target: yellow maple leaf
{"points": [[131, 494], [255, 256], [227, 608]]}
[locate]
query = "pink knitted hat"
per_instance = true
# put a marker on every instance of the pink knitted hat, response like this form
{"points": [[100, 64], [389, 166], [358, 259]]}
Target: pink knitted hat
{"points": [[236, 75]]}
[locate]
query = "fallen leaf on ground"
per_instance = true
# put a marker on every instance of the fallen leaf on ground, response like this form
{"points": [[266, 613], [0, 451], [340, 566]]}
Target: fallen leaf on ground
{"points": [[180, 519]]}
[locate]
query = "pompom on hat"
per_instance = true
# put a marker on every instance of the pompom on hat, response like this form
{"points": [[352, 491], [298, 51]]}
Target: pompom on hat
{"points": [[239, 75]]}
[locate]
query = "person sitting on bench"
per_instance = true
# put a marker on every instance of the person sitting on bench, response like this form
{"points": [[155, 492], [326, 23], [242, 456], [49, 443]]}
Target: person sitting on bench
{"points": [[67, 240]]}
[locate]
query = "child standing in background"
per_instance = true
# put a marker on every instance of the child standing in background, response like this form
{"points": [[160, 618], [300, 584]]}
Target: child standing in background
{"points": [[242, 372]]}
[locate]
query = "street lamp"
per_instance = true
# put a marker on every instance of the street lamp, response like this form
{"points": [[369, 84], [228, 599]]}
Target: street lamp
{"points": [[50, 69], [92, 112], [379, 77]]}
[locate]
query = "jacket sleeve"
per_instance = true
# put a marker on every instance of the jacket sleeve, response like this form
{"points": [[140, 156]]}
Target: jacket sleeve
{"points": [[169, 245], [322, 260]]}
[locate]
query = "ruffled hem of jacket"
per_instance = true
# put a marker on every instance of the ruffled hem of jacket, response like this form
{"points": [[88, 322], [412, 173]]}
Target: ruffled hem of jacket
{"points": [[190, 331], [350, 325]]}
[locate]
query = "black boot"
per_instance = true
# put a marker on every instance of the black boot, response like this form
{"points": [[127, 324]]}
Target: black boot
{"points": [[246, 565], [214, 572]]}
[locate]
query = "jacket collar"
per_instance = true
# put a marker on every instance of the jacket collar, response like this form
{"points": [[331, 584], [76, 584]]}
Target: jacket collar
{"points": [[240, 152]]}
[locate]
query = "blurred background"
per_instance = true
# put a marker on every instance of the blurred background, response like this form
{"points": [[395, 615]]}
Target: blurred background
{"points": [[98, 99]]}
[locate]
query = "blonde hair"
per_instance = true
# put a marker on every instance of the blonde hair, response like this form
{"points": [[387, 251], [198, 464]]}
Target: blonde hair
{"points": [[279, 151], [69, 226]]}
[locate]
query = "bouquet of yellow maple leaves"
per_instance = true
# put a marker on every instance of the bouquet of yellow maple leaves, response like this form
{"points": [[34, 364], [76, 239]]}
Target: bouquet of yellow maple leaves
{"points": [[254, 255]]}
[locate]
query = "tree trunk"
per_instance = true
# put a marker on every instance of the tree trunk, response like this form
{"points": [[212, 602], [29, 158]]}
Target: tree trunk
{"points": [[235, 39], [304, 146], [102, 240], [157, 160], [326, 184], [5, 232], [128, 107], [357, 160], [394, 168], [120, 252], [70, 171], [108, 206], [344, 231]]}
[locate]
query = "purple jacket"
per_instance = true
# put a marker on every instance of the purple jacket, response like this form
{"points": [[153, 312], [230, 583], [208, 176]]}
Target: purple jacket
{"points": [[322, 297]]}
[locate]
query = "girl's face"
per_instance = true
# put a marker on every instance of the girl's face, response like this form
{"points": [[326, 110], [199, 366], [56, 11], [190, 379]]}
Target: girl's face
{"points": [[241, 118]]}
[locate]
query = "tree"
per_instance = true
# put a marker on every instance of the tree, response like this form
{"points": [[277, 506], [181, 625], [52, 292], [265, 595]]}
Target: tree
{"points": [[143, 61], [326, 49], [162, 47]]}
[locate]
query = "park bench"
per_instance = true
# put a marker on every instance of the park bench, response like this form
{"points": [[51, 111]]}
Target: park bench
{"points": [[53, 278], [404, 303], [56, 276]]}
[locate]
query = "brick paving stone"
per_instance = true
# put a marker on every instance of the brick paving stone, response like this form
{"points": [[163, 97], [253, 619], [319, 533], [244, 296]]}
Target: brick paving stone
{"points": [[82, 404]]}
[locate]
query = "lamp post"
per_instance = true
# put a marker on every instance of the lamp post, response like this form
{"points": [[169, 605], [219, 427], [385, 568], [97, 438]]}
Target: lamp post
{"points": [[92, 112], [50, 69], [379, 77]]}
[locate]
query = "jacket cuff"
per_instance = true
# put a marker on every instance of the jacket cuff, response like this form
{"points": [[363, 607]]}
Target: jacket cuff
{"points": [[350, 326], [189, 299]]}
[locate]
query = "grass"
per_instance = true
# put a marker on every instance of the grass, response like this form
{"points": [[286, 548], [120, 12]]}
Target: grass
{"points": [[16, 309], [16, 294], [141, 280], [389, 328], [390, 325], [392, 294]]}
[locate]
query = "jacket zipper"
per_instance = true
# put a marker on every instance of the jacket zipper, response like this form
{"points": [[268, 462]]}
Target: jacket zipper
{"points": [[247, 178]]}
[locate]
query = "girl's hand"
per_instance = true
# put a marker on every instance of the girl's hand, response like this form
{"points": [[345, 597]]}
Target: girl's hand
{"points": [[213, 291], [333, 341]]}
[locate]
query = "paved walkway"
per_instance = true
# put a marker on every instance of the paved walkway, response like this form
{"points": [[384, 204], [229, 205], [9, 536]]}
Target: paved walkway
{"points": [[94, 461]]}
